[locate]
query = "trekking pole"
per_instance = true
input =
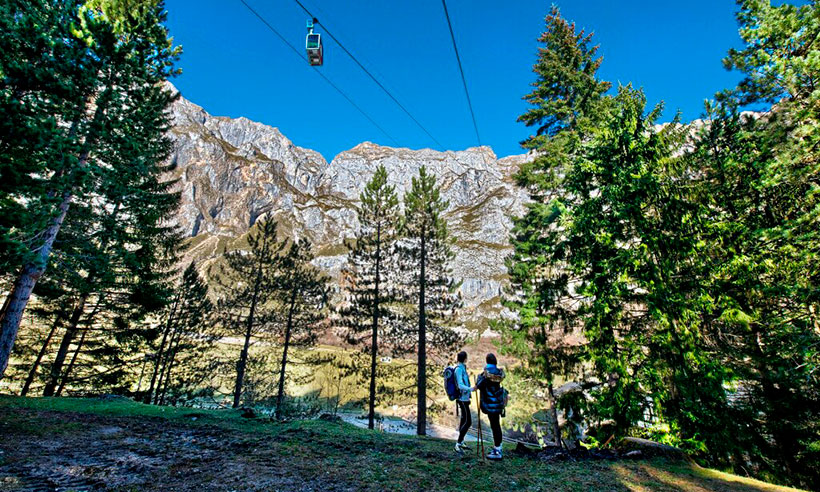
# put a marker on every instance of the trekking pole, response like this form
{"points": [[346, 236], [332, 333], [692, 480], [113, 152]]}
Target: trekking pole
{"points": [[479, 448]]}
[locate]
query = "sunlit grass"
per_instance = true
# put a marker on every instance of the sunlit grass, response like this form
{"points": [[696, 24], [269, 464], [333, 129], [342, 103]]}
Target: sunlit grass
{"points": [[373, 460]]}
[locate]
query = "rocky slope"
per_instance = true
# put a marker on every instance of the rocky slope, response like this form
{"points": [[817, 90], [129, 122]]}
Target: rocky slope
{"points": [[234, 171]]}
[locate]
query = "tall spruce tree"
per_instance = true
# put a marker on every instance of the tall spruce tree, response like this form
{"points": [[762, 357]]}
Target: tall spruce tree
{"points": [[41, 85], [567, 106], [119, 50], [370, 275], [247, 281], [425, 254], [301, 291], [687, 272], [605, 252]]}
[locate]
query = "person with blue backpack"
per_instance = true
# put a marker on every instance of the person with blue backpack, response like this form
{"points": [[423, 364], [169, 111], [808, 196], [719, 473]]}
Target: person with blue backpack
{"points": [[493, 400], [465, 390]]}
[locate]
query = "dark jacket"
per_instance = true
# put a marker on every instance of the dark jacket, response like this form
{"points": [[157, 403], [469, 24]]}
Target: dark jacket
{"points": [[492, 394]]}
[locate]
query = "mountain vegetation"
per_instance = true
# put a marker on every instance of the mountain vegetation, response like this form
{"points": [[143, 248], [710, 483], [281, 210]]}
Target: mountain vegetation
{"points": [[661, 278], [686, 257], [371, 279], [424, 257]]}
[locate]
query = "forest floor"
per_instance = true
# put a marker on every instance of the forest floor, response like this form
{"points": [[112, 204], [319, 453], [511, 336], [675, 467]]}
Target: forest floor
{"points": [[68, 444]]}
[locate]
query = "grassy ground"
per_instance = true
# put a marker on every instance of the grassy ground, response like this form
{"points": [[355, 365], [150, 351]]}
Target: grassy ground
{"points": [[116, 444]]}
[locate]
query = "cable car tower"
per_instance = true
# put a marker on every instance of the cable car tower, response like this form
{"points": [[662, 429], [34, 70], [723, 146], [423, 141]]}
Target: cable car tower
{"points": [[313, 45]]}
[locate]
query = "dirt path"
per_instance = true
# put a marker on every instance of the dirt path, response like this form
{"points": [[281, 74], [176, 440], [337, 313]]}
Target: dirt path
{"points": [[48, 451]]}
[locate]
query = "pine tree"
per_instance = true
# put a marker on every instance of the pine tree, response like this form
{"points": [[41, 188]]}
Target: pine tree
{"points": [[425, 254], [368, 281], [120, 52], [124, 247], [42, 85], [186, 335], [302, 293], [247, 283]]}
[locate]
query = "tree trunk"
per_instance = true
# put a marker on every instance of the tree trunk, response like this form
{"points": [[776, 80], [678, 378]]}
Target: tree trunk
{"points": [[556, 429], [17, 300], [21, 291], [70, 367], [371, 413], [243, 356], [421, 422], [89, 320], [163, 373], [142, 373], [36, 366], [280, 396], [68, 337], [172, 348], [161, 349]]}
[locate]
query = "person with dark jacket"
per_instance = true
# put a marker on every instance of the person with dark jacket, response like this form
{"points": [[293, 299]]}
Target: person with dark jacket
{"points": [[492, 400]]}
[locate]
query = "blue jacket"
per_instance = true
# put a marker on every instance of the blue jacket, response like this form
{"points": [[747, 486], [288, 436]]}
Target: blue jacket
{"points": [[463, 382], [492, 394]]}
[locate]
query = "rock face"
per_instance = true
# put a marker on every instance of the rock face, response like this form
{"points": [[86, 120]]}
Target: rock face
{"points": [[233, 171]]}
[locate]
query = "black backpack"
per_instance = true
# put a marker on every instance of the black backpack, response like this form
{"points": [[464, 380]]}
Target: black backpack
{"points": [[450, 384]]}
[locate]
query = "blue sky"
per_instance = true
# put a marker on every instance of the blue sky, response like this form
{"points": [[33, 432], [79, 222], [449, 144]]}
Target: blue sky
{"points": [[234, 66]]}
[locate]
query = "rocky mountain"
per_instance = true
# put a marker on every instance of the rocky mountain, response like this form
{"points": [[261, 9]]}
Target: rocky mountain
{"points": [[232, 172]]}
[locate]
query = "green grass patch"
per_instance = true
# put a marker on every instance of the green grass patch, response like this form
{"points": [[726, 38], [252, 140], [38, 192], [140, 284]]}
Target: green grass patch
{"points": [[369, 460]]}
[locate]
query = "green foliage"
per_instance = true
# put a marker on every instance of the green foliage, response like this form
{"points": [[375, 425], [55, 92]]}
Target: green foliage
{"points": [[246, 291], [301, 290], [188, 338], [82, 143], [424, 256], [684, 280], [370, 280]]}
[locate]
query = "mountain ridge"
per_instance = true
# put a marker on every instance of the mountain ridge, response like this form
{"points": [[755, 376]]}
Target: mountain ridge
{"points": [[233, 171]]}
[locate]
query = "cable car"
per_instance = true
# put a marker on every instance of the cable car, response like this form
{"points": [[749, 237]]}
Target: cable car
{"points": [[313, 45]]}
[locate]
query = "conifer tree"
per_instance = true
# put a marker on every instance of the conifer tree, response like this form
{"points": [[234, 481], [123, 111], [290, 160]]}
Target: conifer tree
{"points": [[370, 281], [246, 283], [567, 105], [42, 84], [301, 292], [607, 255], [120, 53], [425, 254], [186, 336], [687, 273], [757, 177]]}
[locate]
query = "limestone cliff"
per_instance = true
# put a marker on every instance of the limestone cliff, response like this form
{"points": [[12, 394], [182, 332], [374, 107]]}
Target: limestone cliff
{"points": [[234, 171]]}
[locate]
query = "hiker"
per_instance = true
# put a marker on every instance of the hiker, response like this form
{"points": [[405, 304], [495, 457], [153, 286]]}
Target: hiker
{"points": [[463, 402], [493, 399]]}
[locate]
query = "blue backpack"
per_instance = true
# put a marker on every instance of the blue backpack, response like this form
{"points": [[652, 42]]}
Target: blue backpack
{"points": [[450, 385]]}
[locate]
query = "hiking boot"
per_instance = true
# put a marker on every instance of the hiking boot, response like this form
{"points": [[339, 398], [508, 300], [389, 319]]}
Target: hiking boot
{"points": [[460, 447], [495, 454]]}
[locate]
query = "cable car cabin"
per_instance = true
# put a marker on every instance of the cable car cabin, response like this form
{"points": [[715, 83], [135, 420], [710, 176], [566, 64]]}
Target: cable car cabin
{"points": [[315, 51], [313, 45]]}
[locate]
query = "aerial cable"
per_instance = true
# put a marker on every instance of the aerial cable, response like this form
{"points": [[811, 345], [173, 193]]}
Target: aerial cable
{"points": [[461, 69], [365, 70], [299, 53]]}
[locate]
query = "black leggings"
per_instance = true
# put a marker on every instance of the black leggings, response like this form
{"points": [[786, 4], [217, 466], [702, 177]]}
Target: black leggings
{"points": [[495, 425], [466, 419]]}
